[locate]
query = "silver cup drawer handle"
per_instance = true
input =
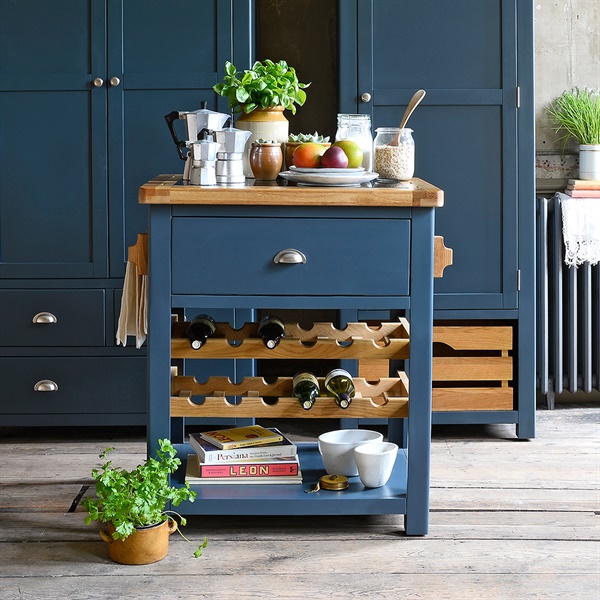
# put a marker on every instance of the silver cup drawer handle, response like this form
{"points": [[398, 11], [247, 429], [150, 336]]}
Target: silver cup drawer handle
{"points": [[45, 318], [45, 385], [290, 256]]}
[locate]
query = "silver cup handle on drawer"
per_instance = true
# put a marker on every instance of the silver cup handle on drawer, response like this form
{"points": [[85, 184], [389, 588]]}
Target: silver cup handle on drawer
{"points": [[45, 385], [45, 318], [290, 256]]}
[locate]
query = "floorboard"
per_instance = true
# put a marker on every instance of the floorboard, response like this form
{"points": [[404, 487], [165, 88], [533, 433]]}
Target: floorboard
{"points": [[510, 519]]}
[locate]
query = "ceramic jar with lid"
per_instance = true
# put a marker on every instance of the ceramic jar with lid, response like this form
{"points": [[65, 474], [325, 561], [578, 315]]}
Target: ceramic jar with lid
{"points": [[394, 153]]}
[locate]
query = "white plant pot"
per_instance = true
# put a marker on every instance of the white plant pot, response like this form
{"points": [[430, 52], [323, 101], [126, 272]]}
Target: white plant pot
{"points": [[589, 161]]}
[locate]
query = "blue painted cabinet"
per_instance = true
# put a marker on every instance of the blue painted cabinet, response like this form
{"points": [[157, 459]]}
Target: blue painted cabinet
{"points": [[84, 87], [474, 136]]}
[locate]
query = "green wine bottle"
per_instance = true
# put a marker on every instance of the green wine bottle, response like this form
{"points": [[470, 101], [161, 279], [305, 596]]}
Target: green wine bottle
{"points": [[271, 330], [306, 389], [200, 328], [339, 384]]}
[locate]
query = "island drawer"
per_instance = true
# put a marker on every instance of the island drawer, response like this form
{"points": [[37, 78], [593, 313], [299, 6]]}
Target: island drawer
{"points": [[364, 257]]}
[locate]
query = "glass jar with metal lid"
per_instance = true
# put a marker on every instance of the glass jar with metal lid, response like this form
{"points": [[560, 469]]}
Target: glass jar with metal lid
{"points": [[358, 129], [394, 153]]}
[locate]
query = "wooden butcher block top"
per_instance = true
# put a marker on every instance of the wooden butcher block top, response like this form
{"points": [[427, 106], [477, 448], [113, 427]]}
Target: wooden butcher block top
{"points": [[169, 189]]}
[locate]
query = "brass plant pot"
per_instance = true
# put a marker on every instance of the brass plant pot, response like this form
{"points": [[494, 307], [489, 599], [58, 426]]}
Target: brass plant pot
{"points": [[146, 545]]}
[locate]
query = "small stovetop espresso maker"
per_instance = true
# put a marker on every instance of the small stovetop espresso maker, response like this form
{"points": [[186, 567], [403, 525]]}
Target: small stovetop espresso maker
{"points": [[230, 166], [195, 122]]}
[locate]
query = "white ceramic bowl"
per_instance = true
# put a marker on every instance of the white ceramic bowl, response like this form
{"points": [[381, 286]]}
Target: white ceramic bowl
{"points": [[375, 462], [337, 449]]}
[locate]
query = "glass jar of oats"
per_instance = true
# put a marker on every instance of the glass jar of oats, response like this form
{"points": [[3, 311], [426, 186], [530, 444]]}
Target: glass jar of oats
{"points": [[394, 153]]}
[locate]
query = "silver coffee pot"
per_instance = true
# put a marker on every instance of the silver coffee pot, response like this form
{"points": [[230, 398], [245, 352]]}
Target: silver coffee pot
{"points": [[195, 122], [230, 165], [203, 155]]}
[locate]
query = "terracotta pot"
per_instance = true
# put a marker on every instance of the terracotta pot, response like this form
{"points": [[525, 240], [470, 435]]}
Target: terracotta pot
{"points": [[146, 545], [266, 161], [263, 123]]}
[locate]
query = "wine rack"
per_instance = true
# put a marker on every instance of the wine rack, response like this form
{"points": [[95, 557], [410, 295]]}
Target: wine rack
{"points": [[255, 397]]}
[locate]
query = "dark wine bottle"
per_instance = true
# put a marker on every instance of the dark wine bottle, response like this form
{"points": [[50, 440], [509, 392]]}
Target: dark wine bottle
{"points": [[339, 384], [306, 389], [200, 328], [271, 330]]}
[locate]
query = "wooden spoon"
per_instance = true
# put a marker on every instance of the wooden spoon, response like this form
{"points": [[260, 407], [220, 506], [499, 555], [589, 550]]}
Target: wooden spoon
{"points": [[414, 102]]}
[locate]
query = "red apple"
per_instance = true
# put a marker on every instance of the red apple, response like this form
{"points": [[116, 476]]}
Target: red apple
{"points": [[334, 158]]}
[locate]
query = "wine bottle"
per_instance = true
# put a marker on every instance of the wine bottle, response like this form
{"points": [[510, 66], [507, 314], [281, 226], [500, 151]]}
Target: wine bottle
{"points": [[306, 389], [339, 384], [271, 330], [200, 328]]}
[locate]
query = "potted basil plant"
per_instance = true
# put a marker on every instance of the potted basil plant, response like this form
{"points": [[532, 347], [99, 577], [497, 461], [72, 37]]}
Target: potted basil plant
{"points": [[576, 114], [261, 94], [134, 505]]}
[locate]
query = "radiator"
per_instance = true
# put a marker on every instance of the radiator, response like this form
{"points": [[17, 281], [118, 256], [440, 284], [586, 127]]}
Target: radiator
{"points": [[568, 339]]}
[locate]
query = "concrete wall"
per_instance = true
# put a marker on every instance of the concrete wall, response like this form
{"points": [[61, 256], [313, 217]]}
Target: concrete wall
{"points": [[567, 55]]}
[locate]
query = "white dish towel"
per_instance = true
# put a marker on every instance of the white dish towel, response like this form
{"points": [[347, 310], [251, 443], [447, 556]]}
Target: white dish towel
{"points": [[581, 229], [133, 319]]}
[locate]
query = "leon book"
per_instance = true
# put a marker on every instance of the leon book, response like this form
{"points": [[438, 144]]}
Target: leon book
{"points": [[275, 467], [241, 437], [210, 454], [192, 476]]}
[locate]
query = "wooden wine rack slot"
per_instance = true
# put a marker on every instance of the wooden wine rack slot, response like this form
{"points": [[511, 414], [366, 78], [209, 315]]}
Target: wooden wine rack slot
{"points": [[322, 341], [386, 398]]}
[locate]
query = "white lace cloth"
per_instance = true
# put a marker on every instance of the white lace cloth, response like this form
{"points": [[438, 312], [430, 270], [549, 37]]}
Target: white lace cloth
{"points": [[581, 229]]}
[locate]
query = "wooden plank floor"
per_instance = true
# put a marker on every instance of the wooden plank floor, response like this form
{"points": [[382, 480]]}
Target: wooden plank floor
{"points": [[509, 519]]}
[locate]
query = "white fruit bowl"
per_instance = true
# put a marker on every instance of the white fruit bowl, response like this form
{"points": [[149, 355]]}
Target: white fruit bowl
{"points": [[337, 449]]}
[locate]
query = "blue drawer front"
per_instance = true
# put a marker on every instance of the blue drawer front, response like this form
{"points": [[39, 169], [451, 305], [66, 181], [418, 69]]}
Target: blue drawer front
{"points": [[79, 318], [93, 385], [364, 257]]}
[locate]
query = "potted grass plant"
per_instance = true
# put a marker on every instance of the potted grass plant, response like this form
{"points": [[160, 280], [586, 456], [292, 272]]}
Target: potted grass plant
{"points": [[134, 505], [260, 95], [576, 115]]}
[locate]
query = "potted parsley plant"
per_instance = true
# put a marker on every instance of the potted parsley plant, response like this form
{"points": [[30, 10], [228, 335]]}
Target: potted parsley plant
{"points": [[134, 505]]}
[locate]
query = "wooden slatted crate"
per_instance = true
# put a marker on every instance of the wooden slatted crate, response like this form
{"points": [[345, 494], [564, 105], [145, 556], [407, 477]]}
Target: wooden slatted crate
{"points": [[472, 367]]}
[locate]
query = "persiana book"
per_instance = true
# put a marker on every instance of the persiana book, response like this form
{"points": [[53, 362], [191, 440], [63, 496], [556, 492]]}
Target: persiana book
{"points": [[211, 454], [192, 476], [241, 437], [274, 468]]}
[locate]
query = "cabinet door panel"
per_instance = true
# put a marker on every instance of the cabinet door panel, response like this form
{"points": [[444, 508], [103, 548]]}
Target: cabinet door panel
{"points": [[172, 54], [53, 210], [465, 129]]}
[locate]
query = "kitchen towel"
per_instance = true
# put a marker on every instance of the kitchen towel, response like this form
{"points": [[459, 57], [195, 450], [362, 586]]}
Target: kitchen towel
{"points": [[581, 229], [133, 318]]}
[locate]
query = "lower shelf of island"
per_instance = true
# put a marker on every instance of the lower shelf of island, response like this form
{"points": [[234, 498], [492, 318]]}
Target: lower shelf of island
{"points": [[297, 499]]}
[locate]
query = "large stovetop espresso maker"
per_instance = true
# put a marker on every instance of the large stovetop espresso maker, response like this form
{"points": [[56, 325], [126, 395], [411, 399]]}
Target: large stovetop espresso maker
{"points": [[202, 121]]}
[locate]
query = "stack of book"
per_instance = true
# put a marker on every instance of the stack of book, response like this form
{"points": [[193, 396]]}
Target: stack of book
{"points": [[254, 454], [580, 188]]}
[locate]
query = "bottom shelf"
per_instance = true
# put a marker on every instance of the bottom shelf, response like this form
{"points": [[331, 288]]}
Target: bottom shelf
{"points": [[247, 499]]}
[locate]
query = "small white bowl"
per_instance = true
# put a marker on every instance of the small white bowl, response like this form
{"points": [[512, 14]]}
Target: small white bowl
{"points": [[337, 449], [375, 462]]}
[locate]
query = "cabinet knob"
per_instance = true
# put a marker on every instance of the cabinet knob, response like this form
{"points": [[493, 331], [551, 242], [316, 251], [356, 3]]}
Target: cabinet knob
{"points": [[365, 97], [98, 82], [45, 385], [115, 81], [289, 256], [45, 318]]}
